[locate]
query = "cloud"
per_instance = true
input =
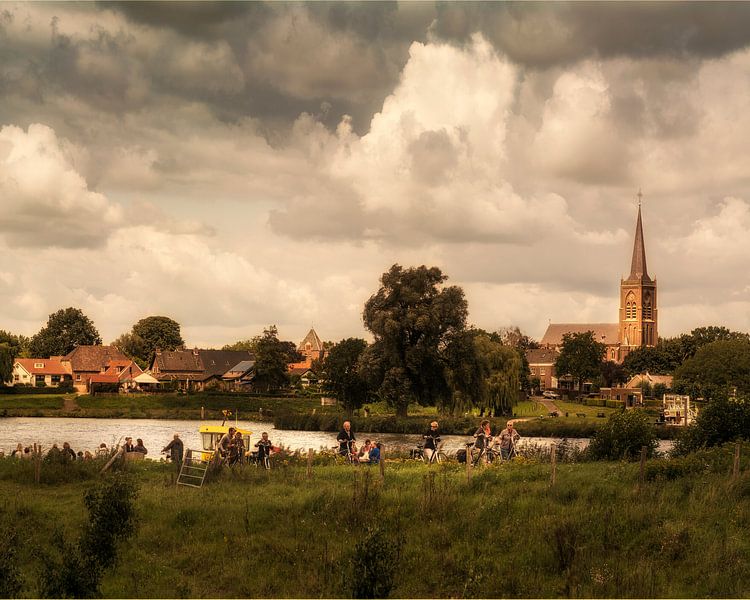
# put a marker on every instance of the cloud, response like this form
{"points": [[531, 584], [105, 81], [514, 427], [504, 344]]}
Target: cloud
{"points": [[45, 201]]}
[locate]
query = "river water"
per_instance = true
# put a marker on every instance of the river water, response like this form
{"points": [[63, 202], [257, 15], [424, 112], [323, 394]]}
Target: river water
{"points": [[87, 434]]}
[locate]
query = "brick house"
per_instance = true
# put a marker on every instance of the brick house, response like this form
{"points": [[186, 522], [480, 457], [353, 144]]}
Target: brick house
{"points": [[86, 361], [542, 366], [195, 369], [118, 372]]}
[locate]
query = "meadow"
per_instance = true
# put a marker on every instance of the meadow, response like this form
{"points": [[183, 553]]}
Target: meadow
{"points": [[428, 532]]}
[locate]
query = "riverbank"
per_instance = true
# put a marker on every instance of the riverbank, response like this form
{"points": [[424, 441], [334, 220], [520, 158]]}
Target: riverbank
{"points": [[300, 413], [507, 533]]}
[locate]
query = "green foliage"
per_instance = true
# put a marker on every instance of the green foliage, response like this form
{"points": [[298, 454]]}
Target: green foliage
{"points": [[271, 359], [623, 436], [374, 563], [11, 581], [148, 335], [502, 368], [612, 374], [78, 570], [580, 356], [19, 344], [716, 369], [722, 420], [65, 329], [7, 357], [412, 317], [339, 371]]}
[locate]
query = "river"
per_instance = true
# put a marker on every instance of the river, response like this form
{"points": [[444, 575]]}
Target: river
{"points": [[87, 434]]}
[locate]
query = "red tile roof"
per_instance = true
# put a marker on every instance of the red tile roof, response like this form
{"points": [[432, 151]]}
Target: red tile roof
{"points": [[606, 333], [49, 366], [93, 358]]}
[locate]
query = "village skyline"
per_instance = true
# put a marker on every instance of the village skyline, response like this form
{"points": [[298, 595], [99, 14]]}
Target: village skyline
{"points": [[248, 164]]}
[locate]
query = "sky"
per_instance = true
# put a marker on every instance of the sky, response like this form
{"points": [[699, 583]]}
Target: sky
{"points": [[237, 165]]}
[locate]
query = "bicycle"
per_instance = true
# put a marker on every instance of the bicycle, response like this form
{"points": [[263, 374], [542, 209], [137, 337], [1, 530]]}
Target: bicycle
{"points": [[437, 456]]}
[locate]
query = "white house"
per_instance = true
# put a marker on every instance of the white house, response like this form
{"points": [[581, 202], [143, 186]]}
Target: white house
{"points": [[40, 371]]}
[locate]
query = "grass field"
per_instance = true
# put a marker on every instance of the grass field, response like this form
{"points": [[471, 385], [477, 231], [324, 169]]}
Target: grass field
{"points": [[31, 401], [596, 533]]}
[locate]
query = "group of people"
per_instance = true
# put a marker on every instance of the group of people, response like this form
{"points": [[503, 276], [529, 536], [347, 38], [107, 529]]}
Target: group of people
{"points": [[66, 453], [232, 449], [485, 444], [369, 453]]}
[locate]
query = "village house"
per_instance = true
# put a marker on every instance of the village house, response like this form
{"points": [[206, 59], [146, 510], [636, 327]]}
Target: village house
{"points": [[37, 372], [84, 362], [196, 369], [311, 348], [651, 380], [240, 376], [542, 367], [119, 375]]}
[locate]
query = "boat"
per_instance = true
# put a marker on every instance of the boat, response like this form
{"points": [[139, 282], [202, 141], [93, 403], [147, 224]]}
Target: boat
{"points": [[211, 436]]}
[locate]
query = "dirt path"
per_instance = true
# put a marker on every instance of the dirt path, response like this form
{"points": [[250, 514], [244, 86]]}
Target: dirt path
{"points": [[70, 403], [550, 406]]}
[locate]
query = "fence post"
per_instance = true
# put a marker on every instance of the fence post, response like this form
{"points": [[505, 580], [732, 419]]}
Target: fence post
{"points": [[736, 465], [202, 413], [553, 458], [468, 464], [382, 462], [309, 462], [37, 462], [641, 477]]}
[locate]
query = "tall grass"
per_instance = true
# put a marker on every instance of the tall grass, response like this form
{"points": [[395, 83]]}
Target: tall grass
{"points": [[597, 533]]}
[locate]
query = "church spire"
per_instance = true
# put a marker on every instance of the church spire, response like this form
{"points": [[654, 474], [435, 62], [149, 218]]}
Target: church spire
{"points": [[638, 269]]}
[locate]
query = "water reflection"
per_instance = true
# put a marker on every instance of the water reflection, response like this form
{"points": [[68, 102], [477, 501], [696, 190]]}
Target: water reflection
{"points": [[87, 434]]}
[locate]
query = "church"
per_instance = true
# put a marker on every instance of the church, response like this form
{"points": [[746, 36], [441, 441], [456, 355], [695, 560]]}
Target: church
{"points": [[637, 325]]}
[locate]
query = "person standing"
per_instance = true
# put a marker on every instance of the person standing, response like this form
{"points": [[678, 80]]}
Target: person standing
{"points": [[431, 440], [68, 452], [264, 446], [482, 440], [175, 448], [508, 438], [346, 439]]}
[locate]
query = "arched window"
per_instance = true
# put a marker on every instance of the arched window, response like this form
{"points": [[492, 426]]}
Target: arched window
{"points": [[647, 306], [630, 307]]}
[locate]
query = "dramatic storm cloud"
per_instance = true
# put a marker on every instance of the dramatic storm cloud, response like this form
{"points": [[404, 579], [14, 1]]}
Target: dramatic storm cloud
{"points": [[234, 165]]}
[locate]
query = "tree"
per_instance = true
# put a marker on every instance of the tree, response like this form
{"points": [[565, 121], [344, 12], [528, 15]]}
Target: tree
{"points": [[717, 368], [580, 356], [656, 361], [722, 420], [612, 373], [341, 376], [290, 348], [513, 337], [503, 367], [7, 358], [65, 329], [465, 373], [271, 360], [148, 335], [19, 344], [412, 317]]}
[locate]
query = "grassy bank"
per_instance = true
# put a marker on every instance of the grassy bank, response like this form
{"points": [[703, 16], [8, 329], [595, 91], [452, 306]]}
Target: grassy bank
{"points": [[507, 533]]}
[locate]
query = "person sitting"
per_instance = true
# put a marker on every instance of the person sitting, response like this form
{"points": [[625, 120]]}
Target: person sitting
{"points": [[264, 449], [102, 450], [88, 456], [17, 452], [346, 439], [364, 452], [128, 445], [375, 454], [431, 440], [27, 453], [139, 447]]}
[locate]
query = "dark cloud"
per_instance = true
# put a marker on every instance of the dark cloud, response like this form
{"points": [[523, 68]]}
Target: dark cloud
{"points": [[542, 35]]}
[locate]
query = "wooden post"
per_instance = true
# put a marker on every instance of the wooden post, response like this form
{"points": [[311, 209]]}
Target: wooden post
{"points": [[202, 413], [117, 455], [309, 462], [37, 462], [736, 465], [468, 464], [382, 462], [553, 459], [641, 477]]}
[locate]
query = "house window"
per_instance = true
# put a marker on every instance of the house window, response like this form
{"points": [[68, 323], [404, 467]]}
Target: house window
{"points": [[38, 365], [16, 377], [78, 377], [542, 371], [612, 354], [55, 379]]}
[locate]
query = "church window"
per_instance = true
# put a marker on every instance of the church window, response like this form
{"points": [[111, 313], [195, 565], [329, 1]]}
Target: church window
{"points": [[647, 307]]}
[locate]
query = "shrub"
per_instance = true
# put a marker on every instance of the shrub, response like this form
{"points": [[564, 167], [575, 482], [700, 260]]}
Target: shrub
{"points": [[373, 563], [722, 420], [11, 582], [623, 436], [614, 404]]}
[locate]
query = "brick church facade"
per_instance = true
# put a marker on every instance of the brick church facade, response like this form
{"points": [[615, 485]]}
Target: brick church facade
{"points": [[638, 315]]}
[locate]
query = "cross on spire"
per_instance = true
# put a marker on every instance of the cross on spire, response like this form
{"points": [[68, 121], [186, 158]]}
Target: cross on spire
{"points": [[640, 196]]}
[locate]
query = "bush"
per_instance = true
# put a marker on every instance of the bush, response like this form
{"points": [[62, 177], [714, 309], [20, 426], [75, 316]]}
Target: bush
{"points": [[623, 436], [374, 563], [722, 420], [614, 404]]}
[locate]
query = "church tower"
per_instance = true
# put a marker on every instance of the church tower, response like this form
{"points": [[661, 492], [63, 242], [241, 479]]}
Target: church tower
{"points": [[638, 313]]}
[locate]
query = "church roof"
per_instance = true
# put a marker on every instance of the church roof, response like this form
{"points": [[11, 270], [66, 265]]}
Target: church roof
{"points": [[605, 333], [312, 338], [542, 356], [638, 271]]}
